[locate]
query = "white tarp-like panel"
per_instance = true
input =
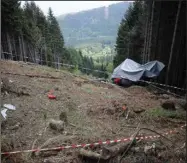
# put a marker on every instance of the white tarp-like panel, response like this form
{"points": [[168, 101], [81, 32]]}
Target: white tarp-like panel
{"points": [[134, 71], [7, 107]]}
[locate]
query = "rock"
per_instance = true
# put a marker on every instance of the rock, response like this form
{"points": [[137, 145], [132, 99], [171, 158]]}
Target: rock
{"points": [[56, 124], [154, 97], [56, 89], [63, 117], [15, 127], [48, 161], [109, 111], [132, 115], [182, 103], [138, 110], [136, 149], [149, 149], [53, 160], [48, 153], [165, 96], [168, 105]]}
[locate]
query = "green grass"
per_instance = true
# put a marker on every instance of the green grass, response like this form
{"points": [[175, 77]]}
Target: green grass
{"points": [[160, 112]]}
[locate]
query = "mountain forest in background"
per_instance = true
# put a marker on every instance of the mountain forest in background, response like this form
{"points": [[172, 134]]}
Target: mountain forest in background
{"points": [[99, 39], [94, 31]]}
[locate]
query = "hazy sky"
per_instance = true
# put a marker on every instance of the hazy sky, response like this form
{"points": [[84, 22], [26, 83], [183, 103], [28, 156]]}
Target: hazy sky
{"points": [[63, 7]]}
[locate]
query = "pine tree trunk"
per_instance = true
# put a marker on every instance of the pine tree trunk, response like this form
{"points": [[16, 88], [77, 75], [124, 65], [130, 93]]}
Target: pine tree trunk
{"points": [[55, 58], [145, 36], [148, 31], [158, 29], [41, 56], [178, 74], [15, 51], [58, 62], [32, 53], [2, 54], [151, 28], [45, 52], [35, 55], [128, 53], [9, 46], [173, 42], [23, 47], [20, 48]]}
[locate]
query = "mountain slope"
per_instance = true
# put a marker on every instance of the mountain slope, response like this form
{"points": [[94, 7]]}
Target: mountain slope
{"points": [[96, 25]]}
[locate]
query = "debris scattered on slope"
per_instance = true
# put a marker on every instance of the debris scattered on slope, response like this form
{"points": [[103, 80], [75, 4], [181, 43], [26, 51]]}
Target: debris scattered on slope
{"points": [[51, 95], [3, 112], [9, 106], [5, 108]]}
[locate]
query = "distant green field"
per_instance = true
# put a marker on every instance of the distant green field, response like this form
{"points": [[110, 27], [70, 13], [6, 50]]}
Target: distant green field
{"points": [[96, 50]]}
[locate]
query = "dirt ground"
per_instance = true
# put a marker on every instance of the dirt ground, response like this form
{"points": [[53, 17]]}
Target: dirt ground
{"points": [[94, 112]]}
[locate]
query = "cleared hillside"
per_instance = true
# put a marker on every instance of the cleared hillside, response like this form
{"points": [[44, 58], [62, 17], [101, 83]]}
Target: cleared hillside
{"points": [[95, 112]]}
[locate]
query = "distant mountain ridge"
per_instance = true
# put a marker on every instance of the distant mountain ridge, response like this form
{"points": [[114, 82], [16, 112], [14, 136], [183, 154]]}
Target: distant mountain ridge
{"points": [[95, 25]]}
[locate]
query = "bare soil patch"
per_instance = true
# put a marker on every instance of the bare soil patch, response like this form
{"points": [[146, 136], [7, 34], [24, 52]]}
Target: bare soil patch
{"points": [[95, 111]]}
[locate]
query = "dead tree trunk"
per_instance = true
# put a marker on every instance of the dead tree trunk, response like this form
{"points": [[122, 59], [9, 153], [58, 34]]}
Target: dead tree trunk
{"points": [[173, 42]]}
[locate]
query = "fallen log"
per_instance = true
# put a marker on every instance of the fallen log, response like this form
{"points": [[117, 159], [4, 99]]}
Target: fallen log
{"points": [[33, 75], [112, 151], [90, 154], [107, 155]]}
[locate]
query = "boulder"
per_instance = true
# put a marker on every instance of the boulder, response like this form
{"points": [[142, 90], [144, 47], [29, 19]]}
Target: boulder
{"points": [[56, 124], [138, 110], [182, 103], [168, 105]]}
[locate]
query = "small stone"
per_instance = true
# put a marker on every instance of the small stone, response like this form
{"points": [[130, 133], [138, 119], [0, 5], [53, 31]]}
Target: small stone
{"points": [[57, 88], [51, 160], [165, 96], [48, 153], [15, 127], [63, 117], [138, 110]]}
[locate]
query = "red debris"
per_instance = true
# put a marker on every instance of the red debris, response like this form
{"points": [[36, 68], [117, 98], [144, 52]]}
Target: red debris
{"points": [[117, 80], [50, 95], [124, 108]]}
